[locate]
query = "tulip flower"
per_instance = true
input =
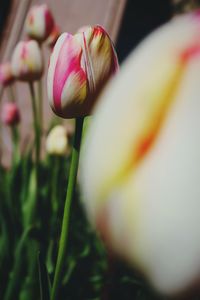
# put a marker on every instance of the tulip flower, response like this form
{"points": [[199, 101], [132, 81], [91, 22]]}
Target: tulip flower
{"points": [[140, 162], [10, 114], [27, 65], [39, 22], [57, 141], [80, 65], [6, 76], [27, 62], [53, 37]]}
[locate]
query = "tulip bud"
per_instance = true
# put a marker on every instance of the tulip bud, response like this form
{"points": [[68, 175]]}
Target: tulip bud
{"points": [[39, 22], [57, 141], [140, 166], [53, 37], [79, 67], [6, 76], [27, 62], [10, 114]]}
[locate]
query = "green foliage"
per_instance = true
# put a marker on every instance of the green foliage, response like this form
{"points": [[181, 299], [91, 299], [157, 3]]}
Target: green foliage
{"points": [[29, 237]]}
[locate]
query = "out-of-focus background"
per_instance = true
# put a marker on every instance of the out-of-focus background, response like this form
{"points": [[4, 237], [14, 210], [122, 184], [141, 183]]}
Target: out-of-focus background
{"points": [[126, 21]]}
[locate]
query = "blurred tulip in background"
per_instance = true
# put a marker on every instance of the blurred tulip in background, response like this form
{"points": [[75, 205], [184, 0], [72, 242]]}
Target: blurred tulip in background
{"points": [[39, 22], [10, 114], [57, 141], [27, 62]]}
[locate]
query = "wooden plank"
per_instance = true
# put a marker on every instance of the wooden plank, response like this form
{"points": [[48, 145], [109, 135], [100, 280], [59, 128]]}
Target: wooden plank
{"points": [[12, 33], [69, 15], [14, 27]]}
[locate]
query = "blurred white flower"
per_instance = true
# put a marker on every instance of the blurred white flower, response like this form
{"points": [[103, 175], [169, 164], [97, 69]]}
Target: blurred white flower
{"points": [[57, 141], [140, 165]]}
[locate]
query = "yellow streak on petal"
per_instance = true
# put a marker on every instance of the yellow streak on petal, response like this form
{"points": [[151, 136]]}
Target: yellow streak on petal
{"points": [[74, 90], [118, 193], [155, 112]]}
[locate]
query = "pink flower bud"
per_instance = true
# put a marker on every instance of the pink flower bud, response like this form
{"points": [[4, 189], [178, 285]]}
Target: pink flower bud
{"points": [[27, 62], [10, 114], [39, 22], [79, 67], [6, 76], [54, 35]]}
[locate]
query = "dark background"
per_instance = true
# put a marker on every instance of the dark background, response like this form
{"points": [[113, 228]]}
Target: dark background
{"points": [[4, 10], [140, 18]]}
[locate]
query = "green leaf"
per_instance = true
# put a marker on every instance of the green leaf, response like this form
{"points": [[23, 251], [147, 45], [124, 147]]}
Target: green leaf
{"points": [[43, 279], [15, 279], [71, 267], [49, 260], [28, 207]]}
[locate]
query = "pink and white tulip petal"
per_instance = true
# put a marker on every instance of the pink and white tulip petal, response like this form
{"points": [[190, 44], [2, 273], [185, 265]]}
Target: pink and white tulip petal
{"points": [[66, 82], [79, 67]]}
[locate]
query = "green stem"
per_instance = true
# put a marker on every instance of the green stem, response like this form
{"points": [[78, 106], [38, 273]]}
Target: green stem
{"points": [[14, 280], [15, 133], [40, 97], [54, 184], [70, 191], [12, 93], [37, 135], [35, 121], [15, 138], [40, 104], [30, 283]]}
